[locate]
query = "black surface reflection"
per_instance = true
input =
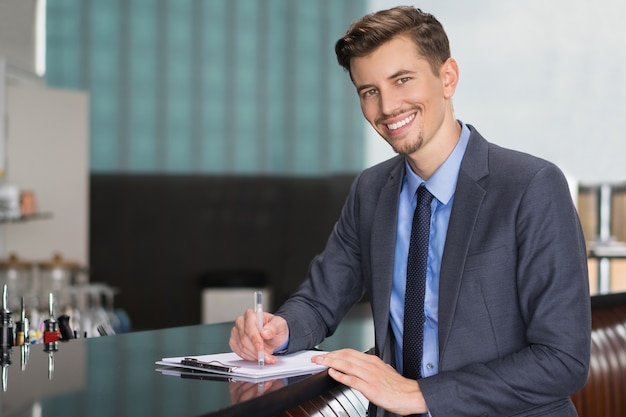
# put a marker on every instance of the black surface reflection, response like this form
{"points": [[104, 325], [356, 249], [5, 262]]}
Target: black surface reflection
{"points": [[117, 376]]}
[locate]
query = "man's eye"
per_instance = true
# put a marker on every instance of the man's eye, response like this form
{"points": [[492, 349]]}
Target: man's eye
{"points": [[403, 80], [369, 93]]}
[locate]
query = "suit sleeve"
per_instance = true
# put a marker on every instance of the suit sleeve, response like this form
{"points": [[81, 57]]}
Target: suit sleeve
{"points": [[333, 285], [552, 296]]}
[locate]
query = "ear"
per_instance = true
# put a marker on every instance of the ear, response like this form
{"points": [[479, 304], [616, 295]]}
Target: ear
{"points": [[449, 74]]}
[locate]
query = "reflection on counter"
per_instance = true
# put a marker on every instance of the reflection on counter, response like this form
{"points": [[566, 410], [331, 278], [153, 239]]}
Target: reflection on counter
{"points": [[15, 334], [116, 375], [239, 390], [20, 380], [12, 335]]}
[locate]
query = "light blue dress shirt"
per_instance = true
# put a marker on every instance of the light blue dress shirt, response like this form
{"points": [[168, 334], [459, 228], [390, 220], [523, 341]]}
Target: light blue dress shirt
{"points": [[442, 185]]}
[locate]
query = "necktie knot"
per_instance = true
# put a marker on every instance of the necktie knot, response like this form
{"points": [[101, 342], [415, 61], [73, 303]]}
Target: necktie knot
{"points": [[424, 197]]}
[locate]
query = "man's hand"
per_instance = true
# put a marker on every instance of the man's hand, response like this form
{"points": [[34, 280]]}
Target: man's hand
{"points": [[380, 383], [246, 340]]}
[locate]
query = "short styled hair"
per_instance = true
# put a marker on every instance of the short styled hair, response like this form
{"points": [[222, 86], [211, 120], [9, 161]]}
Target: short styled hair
{"points": [[372, 30]]}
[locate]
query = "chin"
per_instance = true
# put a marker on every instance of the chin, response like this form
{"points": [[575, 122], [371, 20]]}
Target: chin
{"points": [[403, 148]]}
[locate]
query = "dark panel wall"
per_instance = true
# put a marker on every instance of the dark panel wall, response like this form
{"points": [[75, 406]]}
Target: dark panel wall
{"points": [[154, 236]]}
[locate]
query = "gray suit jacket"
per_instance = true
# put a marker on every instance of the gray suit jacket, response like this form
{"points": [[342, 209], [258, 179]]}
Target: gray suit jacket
{"points": [[514, 313]]}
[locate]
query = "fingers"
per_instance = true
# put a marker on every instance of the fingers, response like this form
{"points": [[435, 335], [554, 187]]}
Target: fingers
{"points": [[376, 380], [358, 370], [275, 331], [246, 340], [348, 362]]}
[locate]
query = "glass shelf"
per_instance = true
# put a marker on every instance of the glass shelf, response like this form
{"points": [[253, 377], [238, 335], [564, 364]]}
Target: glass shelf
{"points": [[22, 219]]}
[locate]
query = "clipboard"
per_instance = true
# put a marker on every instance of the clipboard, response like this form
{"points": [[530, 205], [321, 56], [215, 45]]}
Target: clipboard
{"points": [[231, 365]]}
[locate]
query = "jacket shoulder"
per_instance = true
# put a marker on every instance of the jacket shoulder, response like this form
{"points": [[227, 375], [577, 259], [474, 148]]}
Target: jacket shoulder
{"points": [[378, 175], [486, 158]]}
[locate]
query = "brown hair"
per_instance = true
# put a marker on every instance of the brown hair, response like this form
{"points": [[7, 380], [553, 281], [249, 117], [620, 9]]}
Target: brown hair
{"points": [[372, 30]]}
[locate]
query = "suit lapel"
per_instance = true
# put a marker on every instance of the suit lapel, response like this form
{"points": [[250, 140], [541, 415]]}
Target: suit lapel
{"points": [[383, 240], [468, 198]]}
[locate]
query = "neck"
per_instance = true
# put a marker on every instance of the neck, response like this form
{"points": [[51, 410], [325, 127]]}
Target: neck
{"points": [[425, 161]]}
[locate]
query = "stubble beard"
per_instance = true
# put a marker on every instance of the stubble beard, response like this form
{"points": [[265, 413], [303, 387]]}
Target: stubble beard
{"points": [[408, 146]]}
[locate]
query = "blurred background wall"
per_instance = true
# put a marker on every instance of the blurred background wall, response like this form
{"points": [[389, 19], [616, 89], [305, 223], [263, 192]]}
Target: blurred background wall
{"points": [[251, 86], [220, 135], [217, 86], [542, 77]]}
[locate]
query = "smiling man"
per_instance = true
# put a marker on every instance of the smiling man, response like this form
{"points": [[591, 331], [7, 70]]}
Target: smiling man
{"points": [[409, 103], [497, 313]]}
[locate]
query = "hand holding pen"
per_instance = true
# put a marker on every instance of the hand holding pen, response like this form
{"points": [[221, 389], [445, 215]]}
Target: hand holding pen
{"points": [[247, 341]]}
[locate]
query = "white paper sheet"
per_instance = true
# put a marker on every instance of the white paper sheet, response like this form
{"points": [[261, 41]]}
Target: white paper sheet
{"points": [[298, 363]]}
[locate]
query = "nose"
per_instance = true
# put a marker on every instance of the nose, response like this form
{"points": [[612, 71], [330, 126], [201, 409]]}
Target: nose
{"points": [[390, 103]]}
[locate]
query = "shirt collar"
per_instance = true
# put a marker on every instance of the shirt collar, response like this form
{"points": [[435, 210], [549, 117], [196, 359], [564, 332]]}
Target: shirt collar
{"points": [[443, 182]]}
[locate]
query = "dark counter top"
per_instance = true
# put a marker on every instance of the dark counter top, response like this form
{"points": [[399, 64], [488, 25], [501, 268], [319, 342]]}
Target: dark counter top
{"points": [[117, 376]]}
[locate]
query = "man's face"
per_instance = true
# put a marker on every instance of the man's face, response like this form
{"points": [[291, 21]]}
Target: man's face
{"points": [[400, 96]]}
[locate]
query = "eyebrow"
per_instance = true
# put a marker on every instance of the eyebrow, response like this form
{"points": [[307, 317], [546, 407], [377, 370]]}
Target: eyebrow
{"points": [[396, 74]]}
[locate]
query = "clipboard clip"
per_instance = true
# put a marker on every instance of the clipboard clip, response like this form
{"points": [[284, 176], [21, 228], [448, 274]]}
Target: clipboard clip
{"points": [[211, 365]]}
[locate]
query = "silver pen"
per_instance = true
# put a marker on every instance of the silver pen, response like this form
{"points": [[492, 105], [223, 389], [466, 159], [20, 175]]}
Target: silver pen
{"points": [[258, 307]]}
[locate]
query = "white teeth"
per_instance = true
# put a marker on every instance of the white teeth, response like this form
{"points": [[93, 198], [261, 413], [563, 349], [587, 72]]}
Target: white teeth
{"points": [[397, 125]]}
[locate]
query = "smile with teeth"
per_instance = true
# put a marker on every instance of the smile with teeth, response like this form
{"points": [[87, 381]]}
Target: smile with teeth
{"points": [[398, 125]]}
